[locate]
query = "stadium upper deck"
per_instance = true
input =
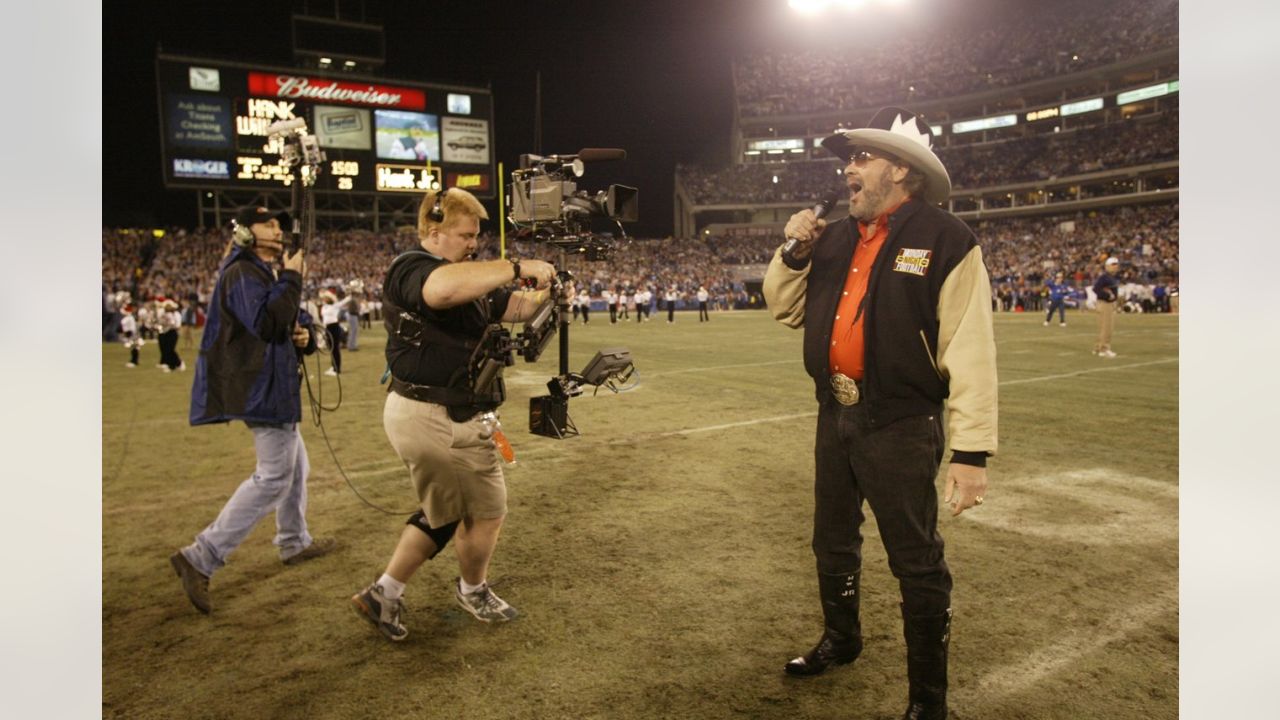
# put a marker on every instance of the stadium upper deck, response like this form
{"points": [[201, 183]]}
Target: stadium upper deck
{"points": [[1035, 41], [1046, 88]]}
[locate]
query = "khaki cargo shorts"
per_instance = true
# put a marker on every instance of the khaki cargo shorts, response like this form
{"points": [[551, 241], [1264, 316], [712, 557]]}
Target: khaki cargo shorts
{"points": [[455, 467]]}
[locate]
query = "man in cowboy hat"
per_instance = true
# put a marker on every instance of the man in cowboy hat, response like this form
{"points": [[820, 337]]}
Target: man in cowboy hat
{"points": [[895, 305]]}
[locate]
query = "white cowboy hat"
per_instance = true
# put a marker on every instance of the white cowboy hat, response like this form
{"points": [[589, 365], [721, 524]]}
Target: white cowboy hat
{"points": [[902, 134]]}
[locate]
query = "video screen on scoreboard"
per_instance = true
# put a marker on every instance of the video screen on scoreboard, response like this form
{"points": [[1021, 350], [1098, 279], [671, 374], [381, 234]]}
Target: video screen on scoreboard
{"points": [[378, 135], [402, 135], [342, 127]]}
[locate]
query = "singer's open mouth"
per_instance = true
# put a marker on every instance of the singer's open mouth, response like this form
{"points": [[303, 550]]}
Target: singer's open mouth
{"points": [[855, 188]]}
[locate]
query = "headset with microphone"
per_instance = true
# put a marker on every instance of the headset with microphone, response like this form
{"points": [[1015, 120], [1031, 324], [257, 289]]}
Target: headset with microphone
{"points": [[242, 235], [242, 224], [436, 213]]}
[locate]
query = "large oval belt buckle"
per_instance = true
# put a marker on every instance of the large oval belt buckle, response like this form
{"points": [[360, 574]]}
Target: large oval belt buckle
{"points": [[845, 389]]}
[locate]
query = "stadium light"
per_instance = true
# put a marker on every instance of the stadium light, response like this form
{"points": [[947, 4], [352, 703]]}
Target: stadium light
{"points": [[807, 7], [775, 179], [324, 61], [813, 7]]}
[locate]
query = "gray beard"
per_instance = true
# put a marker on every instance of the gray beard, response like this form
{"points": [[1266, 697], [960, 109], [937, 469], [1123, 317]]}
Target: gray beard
{"points": [[871, 202]]}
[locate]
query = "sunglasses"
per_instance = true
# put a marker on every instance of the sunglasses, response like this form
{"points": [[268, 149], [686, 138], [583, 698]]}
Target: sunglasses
{"points": [[862, 157]]}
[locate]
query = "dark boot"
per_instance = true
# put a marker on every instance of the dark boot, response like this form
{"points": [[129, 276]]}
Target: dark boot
{"points": [[927, 638], [842, 633]]}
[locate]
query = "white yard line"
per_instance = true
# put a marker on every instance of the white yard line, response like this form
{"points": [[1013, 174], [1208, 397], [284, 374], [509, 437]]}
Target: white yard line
{"points": [[1107, 368], [1014, 678], [743, 423], [719, 367], [380, 401], [670, 433]]}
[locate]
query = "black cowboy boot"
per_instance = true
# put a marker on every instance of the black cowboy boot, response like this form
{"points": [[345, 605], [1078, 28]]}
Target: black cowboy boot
{"points": [[842, 633], [927, 638]]}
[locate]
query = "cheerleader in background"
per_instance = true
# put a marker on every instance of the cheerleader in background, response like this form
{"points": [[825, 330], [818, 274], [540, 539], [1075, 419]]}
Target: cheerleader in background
{"points": [[168, 320], [331, 313], [129, 334], [146, 321]]}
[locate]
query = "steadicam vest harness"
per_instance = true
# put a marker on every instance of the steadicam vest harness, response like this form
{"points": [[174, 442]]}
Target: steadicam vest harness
{"points": [[412, 328]]}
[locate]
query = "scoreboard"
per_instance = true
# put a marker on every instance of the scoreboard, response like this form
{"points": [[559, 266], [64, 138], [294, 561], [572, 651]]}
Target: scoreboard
{"points": [[378, 136]]}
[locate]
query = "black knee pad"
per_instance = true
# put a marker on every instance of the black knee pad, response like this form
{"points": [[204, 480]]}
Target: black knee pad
{"points": [[440, 536]]}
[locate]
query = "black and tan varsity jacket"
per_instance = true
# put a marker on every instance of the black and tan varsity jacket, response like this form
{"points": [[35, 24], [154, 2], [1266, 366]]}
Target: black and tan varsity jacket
{"points": [[928, 329]]}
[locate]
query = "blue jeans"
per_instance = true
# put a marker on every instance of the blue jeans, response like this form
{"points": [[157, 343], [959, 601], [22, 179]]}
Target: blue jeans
{"points": [[278, 483], [1061, 307], [353, 327]]}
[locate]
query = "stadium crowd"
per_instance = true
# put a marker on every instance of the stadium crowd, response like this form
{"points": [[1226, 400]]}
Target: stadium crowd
{"points": [[1026, 43], [1020, 255], [1040, 157]]}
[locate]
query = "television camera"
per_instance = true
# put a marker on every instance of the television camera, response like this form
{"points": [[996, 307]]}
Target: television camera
{"points": [[300, 152], [547, 205]]}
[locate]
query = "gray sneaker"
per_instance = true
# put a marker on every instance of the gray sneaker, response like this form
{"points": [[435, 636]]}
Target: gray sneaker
{"points": [[381, 611], [484, 604], [319, 547]]}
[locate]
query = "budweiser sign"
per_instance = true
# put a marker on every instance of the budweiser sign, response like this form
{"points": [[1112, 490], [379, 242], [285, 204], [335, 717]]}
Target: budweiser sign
{"points": [[297, 87]]}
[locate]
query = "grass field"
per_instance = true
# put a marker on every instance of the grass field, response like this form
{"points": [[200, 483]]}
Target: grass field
{"points": [[661, 560]]}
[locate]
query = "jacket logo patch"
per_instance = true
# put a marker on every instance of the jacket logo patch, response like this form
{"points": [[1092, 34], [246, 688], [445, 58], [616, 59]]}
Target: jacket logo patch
{"points": [[912, 261]]}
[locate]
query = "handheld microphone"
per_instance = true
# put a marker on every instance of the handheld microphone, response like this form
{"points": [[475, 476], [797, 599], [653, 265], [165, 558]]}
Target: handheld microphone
{"points": [[819, 211]]}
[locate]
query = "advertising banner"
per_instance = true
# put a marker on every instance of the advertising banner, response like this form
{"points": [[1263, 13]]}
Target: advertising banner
{"points": [[466, 140], [343, 127], [199, 121]]}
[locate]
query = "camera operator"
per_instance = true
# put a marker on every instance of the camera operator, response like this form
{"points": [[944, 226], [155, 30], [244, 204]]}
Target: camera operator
{"points": [[248, 370], [439, 302]]}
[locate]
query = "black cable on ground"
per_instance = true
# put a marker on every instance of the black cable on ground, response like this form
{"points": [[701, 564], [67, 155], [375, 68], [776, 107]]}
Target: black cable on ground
{"points": [[315, 402]]}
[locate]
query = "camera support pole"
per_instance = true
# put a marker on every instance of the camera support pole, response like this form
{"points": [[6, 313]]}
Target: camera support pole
{"points": [[562, 305]]}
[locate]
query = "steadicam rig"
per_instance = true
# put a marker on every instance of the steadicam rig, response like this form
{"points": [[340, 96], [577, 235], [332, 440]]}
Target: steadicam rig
{"points": [[611, 368], [548, 414], [547, 206]]}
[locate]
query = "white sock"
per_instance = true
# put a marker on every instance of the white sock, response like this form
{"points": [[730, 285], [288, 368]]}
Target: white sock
{"points": [[391, 587], [467, 588]]}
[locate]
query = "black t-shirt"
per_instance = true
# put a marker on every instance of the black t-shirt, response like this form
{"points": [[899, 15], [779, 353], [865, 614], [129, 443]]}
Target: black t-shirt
{"points": [[434, 362]]}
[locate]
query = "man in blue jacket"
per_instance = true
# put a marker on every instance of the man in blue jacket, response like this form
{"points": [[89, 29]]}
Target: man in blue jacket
{"points": [[1106, 288], [1058, 292], [248, 370]]}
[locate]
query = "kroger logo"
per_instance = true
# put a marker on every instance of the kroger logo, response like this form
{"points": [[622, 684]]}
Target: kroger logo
{"points": [[183, 167]]}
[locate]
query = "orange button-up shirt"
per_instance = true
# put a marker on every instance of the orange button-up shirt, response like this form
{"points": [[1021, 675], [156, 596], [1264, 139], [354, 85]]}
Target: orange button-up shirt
{"points": [[846, 356]]}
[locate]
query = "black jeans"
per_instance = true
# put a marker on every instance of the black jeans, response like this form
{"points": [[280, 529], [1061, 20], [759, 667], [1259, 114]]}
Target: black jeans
{"points": [[893, 468], [336, 338], [168, 341]]}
